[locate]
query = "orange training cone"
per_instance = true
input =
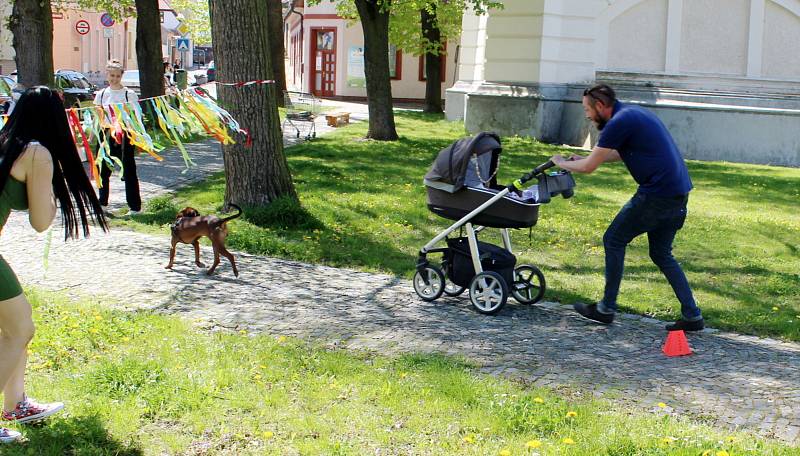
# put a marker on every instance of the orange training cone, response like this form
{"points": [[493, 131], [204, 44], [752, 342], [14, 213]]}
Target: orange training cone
{"points": [[676, 344]]}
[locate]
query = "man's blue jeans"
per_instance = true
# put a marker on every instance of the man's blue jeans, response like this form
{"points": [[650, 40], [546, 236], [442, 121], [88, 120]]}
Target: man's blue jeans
{"points": [[660, 218]]}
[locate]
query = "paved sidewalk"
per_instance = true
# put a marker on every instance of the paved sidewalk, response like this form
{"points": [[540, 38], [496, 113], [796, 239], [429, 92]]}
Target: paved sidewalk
{"points": [[737, 381]]}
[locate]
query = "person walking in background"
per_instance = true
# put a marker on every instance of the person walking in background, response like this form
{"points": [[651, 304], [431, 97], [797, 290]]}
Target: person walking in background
{"points": [[38, 164], [638, 138], [120, 144]]}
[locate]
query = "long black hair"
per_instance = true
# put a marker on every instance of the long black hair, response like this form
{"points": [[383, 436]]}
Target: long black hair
{"points": [[39, 116]]}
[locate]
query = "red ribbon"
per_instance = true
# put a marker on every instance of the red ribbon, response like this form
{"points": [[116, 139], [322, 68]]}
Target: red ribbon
{"points": [[246, 83], [75, 121]]}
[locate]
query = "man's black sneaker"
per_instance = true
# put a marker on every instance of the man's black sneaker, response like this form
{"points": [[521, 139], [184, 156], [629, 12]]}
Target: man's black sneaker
{"points": [[683, 325], [590, 312]]}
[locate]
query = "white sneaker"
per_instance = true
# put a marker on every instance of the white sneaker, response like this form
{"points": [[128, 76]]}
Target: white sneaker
{"points": [[8, 436]]}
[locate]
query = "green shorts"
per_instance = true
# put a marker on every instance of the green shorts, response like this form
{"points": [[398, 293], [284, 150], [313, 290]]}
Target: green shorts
{"points": [[9, 285]]}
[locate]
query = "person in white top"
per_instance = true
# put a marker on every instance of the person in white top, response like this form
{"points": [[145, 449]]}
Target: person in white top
{"points": [[113, 94]]}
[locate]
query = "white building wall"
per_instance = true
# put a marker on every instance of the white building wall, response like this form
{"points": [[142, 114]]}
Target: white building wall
{"points": [[6, 50], [714, 36], [637, 38], [567, 41], [781, 27], [473, 47], [514, 42]]}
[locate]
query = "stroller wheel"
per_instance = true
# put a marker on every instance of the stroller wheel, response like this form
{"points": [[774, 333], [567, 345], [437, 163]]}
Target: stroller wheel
{"points": [[529, 285], [488, 292], [435, 286], [451, 289]]}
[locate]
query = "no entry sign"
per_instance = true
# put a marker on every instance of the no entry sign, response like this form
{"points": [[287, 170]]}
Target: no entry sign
{"points": [[82, 27]]}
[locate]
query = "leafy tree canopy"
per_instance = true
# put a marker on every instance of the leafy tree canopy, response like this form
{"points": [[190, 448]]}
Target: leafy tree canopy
{"points": [[405, 30], [195, 13]]}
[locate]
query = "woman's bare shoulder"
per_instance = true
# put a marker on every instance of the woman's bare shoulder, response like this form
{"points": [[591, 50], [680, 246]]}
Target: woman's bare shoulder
{"points": [[35, 155]]}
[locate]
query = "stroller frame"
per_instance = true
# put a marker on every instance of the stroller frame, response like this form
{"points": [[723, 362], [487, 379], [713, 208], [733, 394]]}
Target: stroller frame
{"points": [[488, 290]]}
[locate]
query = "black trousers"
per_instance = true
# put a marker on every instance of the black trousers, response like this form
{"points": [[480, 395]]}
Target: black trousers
{"points": [[125, 152]]}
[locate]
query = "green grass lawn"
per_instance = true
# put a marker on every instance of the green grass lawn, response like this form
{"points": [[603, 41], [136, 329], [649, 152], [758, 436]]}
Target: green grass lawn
{"points": [[363, 206], [141, 383]]}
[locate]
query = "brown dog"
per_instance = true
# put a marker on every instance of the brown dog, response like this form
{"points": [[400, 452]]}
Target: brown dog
{"points": [[189, 227]]}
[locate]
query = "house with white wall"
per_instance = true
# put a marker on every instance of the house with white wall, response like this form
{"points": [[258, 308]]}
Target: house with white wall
{"points": [[325, 56], [724, 75]]}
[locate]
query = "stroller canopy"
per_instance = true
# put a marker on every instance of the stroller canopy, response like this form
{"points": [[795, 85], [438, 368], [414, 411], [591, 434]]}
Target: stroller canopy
{"points": [[452, 170]]}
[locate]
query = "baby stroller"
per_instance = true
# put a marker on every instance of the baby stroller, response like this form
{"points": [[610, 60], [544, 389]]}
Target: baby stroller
{"points": [[462, 186]]}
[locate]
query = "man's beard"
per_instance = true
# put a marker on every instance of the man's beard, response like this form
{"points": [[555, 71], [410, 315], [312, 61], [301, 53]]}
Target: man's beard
{"points": [[600, 124]]}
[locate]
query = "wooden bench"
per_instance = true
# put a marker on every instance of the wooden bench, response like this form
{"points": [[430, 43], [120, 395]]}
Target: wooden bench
{"points": [[337, 119]]}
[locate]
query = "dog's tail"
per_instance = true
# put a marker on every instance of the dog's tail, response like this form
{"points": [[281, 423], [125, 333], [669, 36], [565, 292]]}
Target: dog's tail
{"points": [[239, 214]]}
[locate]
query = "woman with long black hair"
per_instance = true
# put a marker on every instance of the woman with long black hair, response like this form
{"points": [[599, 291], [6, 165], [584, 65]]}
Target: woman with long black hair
{"points": [[39, 164]]}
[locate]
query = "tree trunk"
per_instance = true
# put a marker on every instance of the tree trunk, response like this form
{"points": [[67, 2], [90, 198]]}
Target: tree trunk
{"points": [[148, 48], [276, 51], [258, 175], [374, 15], [31, 23], [433, 62]]}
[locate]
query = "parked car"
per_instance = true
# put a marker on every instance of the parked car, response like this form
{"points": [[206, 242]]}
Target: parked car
{"points": [[76, 88], [130, 79], [211, 72], [8, 96]]}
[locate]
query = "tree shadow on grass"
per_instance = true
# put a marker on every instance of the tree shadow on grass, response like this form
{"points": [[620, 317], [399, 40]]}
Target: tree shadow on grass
{"points": [[73, 435]]}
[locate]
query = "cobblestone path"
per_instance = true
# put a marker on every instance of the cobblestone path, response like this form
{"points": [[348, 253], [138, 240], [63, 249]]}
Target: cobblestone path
{"points": [[737, 381]]}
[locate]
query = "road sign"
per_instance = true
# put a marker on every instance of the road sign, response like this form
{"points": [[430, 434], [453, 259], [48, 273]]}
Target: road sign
{"points": [[108, 33], [183, 29], [106, 20], [183, 44], [82, 27]]}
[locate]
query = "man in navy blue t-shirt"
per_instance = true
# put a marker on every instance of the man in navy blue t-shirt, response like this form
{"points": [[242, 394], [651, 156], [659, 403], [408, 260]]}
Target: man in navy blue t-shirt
{"points": [[637, 137]]}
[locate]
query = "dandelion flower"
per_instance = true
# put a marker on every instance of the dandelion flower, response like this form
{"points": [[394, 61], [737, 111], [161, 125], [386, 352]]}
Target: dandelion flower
{"points": [[281, 339], [126, 339], [533, 444], [469, 438], [666, 440], [723, 453], [98, 318], [662, 405], [730, 439], [268, 435], [538, 400], [775, 309], [505, 452], [568, 441], [571, 414]]}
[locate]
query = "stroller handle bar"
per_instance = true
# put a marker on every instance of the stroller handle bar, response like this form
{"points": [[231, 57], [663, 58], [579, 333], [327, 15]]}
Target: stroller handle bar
{"points": [[517, 185]]}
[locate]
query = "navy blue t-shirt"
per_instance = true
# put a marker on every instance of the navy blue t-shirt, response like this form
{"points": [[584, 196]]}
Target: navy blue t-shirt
{"points": [[647, 149]]}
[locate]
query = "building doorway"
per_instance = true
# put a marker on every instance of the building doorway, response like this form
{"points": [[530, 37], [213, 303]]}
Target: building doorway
{"points": [[323, 52]]}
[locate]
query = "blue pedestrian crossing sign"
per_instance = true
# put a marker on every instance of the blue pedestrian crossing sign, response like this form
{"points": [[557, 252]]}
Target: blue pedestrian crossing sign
{"points": [[183, 44]]}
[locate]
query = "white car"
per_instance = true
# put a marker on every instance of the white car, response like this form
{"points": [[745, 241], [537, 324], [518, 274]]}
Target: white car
{"points": [[130, 79]]}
